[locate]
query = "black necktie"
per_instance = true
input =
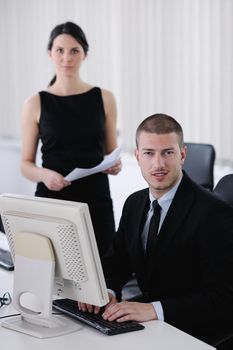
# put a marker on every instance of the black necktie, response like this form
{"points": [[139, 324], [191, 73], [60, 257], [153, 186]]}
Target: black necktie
{"points": [[154, 225]]}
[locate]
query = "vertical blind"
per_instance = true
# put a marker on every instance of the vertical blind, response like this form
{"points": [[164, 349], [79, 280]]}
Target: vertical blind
{"points": [[169, 56]]}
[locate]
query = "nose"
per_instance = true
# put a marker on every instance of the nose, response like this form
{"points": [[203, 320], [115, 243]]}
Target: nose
{"points": [[67, 57], [158, 160]]}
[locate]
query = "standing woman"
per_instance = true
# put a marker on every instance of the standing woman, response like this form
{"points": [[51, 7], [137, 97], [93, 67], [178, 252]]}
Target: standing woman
{"points": [[76, 123]]}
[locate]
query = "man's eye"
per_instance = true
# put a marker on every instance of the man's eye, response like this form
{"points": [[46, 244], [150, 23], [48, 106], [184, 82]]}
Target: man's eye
{"points": [[169, 153], [59, 50]]}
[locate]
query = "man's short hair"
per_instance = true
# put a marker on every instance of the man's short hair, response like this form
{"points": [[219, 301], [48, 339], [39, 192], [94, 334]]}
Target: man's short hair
{"points": [[160, 124]]}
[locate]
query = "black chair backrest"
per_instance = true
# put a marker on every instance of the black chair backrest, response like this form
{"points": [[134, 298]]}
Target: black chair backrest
{"points": [[224, 189], [199, 163]]}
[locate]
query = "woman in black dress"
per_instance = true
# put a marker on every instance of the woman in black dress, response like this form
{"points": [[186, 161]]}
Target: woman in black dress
{"points": [[76, 124]]}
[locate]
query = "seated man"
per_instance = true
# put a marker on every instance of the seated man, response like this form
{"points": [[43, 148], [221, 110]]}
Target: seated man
{"points": [[184, 269]]}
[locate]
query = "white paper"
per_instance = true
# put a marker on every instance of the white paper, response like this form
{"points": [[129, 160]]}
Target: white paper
{"points": [[109, 161]]}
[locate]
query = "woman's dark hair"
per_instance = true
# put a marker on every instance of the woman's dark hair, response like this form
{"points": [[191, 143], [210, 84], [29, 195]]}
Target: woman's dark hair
{"points": [[71, 29]]}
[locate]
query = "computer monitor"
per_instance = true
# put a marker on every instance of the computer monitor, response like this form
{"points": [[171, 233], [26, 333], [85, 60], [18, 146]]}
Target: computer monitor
{"points": [[55, 253]]}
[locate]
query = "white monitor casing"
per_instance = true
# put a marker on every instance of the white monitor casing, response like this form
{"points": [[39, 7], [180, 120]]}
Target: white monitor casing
{"points": [[55, 252]]}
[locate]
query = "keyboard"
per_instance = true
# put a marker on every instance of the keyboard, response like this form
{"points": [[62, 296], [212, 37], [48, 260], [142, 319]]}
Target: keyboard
{"points": [[6, 260], [70, 308]]}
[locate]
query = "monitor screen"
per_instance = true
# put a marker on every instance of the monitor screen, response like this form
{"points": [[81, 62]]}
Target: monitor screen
{"points": [[55, 253]]}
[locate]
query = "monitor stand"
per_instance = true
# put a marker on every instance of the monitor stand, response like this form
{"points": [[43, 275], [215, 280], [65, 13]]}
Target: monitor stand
{"points": [[33, 281]]}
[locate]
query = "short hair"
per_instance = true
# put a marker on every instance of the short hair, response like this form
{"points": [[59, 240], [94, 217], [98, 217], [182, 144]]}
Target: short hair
{"points": [[160, 124]]}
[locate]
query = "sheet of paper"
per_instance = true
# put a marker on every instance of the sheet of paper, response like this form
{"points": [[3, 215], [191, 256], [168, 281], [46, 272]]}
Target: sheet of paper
{"points": [[109, 160]]}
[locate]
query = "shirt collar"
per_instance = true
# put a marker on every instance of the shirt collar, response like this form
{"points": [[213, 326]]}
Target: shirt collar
{"points": [[166, 199]]}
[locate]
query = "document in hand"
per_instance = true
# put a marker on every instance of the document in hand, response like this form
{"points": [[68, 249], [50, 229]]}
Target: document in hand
{"points": [[109, 160]]}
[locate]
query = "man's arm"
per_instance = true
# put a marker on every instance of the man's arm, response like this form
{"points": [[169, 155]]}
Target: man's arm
{"points": [[116, 264]]}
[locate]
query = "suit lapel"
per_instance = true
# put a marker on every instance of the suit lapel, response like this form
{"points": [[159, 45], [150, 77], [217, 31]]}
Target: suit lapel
{"points": [[141, 210]]}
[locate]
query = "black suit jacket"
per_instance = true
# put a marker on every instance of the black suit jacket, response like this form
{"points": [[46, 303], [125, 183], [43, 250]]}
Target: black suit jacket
{"points": [[190, 267]]}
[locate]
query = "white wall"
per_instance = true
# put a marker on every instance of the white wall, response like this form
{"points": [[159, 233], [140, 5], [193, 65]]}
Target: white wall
{"points": [[171, 56], [11, 180]]}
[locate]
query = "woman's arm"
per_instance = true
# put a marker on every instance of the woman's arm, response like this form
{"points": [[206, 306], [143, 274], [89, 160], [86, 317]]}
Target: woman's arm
{"points": [[110, 128], [30, 137], [110, 123]]}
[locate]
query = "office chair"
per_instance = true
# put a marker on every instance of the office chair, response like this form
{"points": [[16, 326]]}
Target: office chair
{"points": [[224, 189], [199, 163]]}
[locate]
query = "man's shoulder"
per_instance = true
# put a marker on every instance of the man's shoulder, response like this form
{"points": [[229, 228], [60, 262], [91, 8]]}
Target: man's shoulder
{"points": [[203, 197], [136, 204], [138, 195], [137, 199]]}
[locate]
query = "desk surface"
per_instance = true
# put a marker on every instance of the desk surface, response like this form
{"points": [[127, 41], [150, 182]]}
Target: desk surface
{"points": [[156, 335]]}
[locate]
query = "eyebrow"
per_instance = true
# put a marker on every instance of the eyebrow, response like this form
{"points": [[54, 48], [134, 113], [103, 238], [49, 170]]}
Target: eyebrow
{"points": [[62, 47], [169, 149], [162, 150]]}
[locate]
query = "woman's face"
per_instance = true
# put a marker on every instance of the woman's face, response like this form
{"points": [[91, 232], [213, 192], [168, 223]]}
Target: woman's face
{"points": [[67, 55]]}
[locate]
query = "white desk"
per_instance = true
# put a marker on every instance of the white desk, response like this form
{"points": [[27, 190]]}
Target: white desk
{"points": [[156, 335]]}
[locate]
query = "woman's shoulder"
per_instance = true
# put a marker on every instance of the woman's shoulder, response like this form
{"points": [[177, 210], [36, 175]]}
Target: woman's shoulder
{"points": [[108, 98], [107, 94], [31, 107], [32, 101]]}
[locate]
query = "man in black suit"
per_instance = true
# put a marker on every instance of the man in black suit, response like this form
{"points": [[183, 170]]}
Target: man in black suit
{"points": [[186, 275]]}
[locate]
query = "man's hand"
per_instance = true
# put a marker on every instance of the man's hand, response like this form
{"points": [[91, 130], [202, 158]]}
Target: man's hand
{"points": [[129, 311], [96, 309], [88, 308]]}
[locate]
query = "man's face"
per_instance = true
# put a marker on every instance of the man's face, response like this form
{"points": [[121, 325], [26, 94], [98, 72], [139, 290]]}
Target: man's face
{"points": [[160, 159]]}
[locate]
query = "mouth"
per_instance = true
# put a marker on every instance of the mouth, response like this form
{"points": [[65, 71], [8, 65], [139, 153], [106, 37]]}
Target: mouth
{"points": [[159, 175]]}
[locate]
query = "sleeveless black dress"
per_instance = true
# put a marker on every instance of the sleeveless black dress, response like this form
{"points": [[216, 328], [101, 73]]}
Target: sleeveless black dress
{"points": [[72, 132]]}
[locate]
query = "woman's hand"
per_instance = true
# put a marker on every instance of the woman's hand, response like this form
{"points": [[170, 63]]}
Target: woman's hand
{"points": [[53, 180], [115, 169]]}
